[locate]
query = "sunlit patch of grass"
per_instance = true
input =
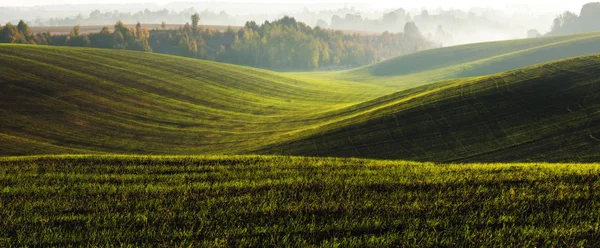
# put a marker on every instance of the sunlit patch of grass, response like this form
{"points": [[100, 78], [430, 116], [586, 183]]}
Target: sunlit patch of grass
{"points": [[293, 201]]}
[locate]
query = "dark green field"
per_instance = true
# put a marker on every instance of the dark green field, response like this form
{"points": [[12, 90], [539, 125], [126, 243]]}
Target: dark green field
{"points": [[250, 201], [544, 113], [481, 119]]}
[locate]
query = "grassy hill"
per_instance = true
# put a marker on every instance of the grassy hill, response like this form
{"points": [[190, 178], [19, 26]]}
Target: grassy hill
{"points": [[467, 60], [252, 201], [72, 100], [548, 112], [57, 100]]}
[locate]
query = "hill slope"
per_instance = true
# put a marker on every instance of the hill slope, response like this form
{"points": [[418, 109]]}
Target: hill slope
{"points": [[68, 100], [548, 112], [72, 100], [468, 60]]}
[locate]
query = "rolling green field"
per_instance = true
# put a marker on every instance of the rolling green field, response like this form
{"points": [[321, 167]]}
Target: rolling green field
{"points": [[250, 201], [459, 111], [67, 100], [58, 100]]}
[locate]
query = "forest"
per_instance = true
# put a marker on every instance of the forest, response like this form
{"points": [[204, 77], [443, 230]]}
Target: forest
{"points": [[284, 44]]}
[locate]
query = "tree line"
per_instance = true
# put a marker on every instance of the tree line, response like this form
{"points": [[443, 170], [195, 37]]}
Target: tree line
{"points": [[121, 38], [570, 23], [284, 44]]}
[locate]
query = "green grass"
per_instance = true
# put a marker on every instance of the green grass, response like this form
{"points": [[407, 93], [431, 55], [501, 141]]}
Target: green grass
{"points": [[71, 100], [250, 201], [469, 60], [57, 100], [548, 112]]}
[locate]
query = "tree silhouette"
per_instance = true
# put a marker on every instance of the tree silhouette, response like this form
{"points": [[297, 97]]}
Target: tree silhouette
{"points": [[195, 22]]}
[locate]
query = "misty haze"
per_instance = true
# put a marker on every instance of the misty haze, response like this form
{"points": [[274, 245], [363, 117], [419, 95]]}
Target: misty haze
{"points": [[443, 23]]}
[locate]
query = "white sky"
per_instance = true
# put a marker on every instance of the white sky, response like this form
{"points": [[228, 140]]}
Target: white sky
{"points": [[539, 5]]}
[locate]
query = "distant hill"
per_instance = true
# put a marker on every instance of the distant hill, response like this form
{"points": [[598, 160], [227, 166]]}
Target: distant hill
{"points": [[468, 60]]}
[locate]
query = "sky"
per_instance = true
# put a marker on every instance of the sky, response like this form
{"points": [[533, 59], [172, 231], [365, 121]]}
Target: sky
{"points": [[540, 5]]}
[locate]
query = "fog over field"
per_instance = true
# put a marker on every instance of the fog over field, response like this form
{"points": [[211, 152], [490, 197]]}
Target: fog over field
{"points": [[446, 23]]}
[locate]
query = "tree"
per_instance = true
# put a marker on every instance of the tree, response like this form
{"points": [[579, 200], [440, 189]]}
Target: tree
{"points": [[533, 33], [105, 30], [163, 25], [288, 21], [43, 38], [96, 14], [145, 33], [138, 30], [76, 39], [120, 27], [411, 30], [103, 39], [195, 22], [76, 31], [10, 34], [322, 24], [588, 18], [252, 25], [119, 40], [24, 29], [566, 23]]}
